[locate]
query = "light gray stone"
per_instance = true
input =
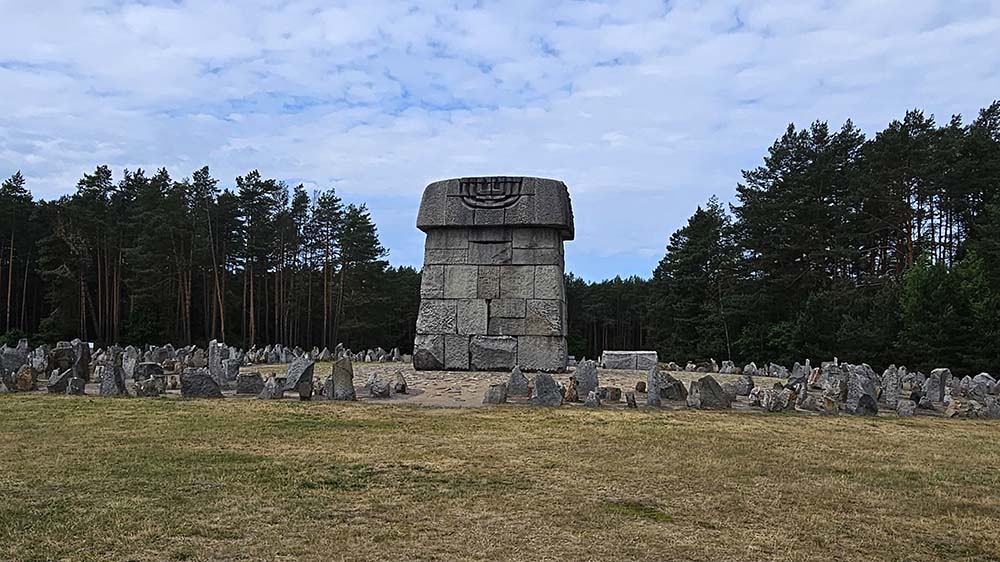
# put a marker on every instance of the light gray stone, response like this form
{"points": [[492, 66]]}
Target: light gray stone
{"points": [[431, 283], [707, 394], [271, 390], [249, 383], [456, 352], [472, 316], [113, 382], [586, 376], [461, 281], [542, 353], [493, 353], [517, 281], [437, 317], [340, 383], [428, 352], [299, 372]]}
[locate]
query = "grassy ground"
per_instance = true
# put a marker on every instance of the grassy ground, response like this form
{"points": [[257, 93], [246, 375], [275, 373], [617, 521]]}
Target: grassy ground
{"points": [[130, 479]]}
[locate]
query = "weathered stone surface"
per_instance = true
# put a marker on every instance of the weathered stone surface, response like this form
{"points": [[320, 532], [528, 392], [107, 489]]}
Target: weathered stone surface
{"points": [[706, 393], [26, 379], [493, 353], [249, 383], [428, 352], [980, 387], [867, 406], [437, 317], [473, 317], [199, 383], [744, 385], [542, 353], [891, 386], [398, 383], [905, 408], [640, 360], [148, 388], [593, 400], [300, 371], [456, 352], [272, 390], [496, 394], [113, 382], [58, 381], [546, 391], [935, 384], [517, 384], [146, 370], [630, 399], [377, 388], [340, 384], [859, 385], [75, 386], [569, 392], [586, 377]]}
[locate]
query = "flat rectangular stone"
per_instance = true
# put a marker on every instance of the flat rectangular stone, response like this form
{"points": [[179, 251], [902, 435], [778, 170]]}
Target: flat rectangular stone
{"points": [[447, 238], [489, 216], [472, 316], [537, 256], [488, 286], [431, 214], [628, 359], [491, 234], [492, 353], [551, 208], [517, 282], [456, 352], [460, 281], [543, 318], [506, 327], [438, 256], [507, 308], [437, 317], [542, 353], [490, 253], [432, 282], [428, 352], [528, 237], [548, 282]]}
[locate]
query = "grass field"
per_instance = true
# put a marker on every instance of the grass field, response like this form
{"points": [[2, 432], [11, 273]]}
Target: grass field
{"points": [[130, 479]]}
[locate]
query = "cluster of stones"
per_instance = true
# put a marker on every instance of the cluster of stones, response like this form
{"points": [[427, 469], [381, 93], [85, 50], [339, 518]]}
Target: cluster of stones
{"points": [[492, 294], [829, 389], [195, 372], [278, 354]]}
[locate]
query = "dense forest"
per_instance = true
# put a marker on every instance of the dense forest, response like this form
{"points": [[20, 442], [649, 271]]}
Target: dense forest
{"points": [[881, 250], [148, 259]]}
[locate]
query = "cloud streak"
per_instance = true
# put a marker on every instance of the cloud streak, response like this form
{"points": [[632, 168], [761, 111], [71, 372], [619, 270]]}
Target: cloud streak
{"points": [[645, 109]]}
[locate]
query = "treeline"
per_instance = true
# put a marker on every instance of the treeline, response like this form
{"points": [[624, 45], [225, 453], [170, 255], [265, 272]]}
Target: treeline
{"points": [[148, 259], [882, 250]]}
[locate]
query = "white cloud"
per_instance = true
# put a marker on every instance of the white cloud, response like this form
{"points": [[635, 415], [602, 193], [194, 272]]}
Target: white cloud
{"points": [[644, 108]]}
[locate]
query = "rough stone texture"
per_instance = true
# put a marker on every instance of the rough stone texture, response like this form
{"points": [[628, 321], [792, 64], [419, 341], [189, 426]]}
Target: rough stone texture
{"points": [[26, 379], [377, 388], [744, 385], [340, 383], [891, 386], [593, 400], [493, 353], [517, 384], [635, 360], [58, 381], [546, 391], [935, 384], [113, 382], [148, 388], [630, 399], [272, 390], [199, 383], [496, 394], [299, 372], [249, 383], [146, 370], [76, 386], [493, 266], [569, 392], [398, 383], [707, 394]]}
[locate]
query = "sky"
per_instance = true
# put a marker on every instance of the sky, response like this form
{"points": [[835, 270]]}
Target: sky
{"points": [[645, 109]]}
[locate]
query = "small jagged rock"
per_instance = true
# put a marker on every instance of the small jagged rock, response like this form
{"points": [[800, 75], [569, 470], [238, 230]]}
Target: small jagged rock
{"points": [[593, 399], [517, 384], [377, 388], [398, 383], [496, 394], [546, 391]]}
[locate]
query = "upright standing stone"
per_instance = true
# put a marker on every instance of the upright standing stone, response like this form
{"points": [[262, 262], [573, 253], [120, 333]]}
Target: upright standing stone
{"points": [[546, 391], [586, 377], [340, 384], [113, 381], [299, 372], [492, 293], [199, 383]]}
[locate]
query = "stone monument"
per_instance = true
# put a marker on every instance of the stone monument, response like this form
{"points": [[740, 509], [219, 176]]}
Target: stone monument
{"points": [[492, 294]]}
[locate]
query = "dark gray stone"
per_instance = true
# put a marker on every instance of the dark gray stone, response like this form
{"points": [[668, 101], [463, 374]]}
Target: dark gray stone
{"points": [[58, 381], [867, 406], [75, 386], [905, 408], [146, 370], [546, 391], [744, 385], [149, 388], [517, 384], [300, 371], [707, 394], [493, 353], [249, 383], [496, 394], [630, 399], [399, 383], [377, 388], [199, 383], [592, 400]]}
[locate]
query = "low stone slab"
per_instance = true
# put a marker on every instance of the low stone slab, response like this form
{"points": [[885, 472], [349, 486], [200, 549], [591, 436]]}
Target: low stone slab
{"points": [[546, 391], [249, 383], [199, 384], [630, 360]]}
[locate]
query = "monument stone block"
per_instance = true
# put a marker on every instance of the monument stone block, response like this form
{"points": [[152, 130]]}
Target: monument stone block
{"points": [[492, 294]]}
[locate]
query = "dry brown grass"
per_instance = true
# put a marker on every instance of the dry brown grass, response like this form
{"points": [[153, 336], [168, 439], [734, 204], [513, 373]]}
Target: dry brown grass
{"points": [[104, 479]]}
